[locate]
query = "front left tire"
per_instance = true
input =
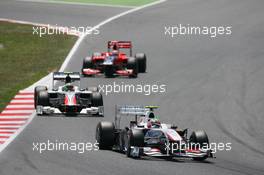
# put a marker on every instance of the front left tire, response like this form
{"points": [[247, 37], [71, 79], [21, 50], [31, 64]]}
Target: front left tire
{"points": [[142, 62], [135, 138], [105, 135]]}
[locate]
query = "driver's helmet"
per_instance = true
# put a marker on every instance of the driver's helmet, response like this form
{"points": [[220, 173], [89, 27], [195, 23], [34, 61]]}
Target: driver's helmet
{"points": [[68, 87], [115, 47], [68, 79], [153, 123], [115, 53]]}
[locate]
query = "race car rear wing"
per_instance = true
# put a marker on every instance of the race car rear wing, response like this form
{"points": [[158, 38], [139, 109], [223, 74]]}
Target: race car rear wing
{"points": [[116, 45], [67, 77], [132, 110], [61, 76]]}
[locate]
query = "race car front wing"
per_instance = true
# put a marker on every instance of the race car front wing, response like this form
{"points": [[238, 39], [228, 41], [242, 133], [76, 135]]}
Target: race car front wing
{"points": [[40, 110], [90, 72], [155, 152]]}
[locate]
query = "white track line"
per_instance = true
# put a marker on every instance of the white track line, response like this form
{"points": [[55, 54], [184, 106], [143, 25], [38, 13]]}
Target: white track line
{"points": [[19, 106], [77, 44], [22, 101], [24, 96], [25, 91], [71, 32], [45, 81], [78, 3], [16, 111]]}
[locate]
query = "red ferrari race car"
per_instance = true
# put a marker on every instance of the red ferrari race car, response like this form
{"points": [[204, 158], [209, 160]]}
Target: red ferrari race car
{"points": [[114, 62]]}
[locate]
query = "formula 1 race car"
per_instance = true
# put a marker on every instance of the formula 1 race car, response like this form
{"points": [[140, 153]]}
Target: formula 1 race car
{"points": [[114, 62], [68, 99], [146, 136]]}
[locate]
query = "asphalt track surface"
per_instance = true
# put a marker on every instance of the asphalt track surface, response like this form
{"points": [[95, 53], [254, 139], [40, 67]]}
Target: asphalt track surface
{"points": [[214, 84], [56, 14]]}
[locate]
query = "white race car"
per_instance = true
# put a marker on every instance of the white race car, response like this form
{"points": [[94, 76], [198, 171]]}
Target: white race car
{"points": [[146, 135], [68, 99]]}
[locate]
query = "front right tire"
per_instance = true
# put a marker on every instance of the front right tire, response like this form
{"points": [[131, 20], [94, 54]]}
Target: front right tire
{"points": [[42, 98], [36, 92], [135, 138]]}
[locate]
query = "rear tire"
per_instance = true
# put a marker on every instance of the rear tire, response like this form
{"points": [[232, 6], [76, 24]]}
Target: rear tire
{"points": [[97, 99], [199, 137], [36, 91], [142, 62], [133, 64], [105, 135]]}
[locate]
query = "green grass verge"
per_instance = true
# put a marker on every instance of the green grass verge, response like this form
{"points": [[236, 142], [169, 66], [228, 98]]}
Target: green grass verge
{"points": [[25, 58], [113, 2]]}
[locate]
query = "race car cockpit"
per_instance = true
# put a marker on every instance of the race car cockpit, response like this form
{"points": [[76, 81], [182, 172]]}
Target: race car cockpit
{"points": [[68, 87]]}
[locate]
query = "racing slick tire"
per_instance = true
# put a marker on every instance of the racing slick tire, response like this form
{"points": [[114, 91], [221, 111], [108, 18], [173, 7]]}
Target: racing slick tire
{"points": [[109, 71], [97, 99], [135, 138], [105, 135], [87, 62], [199, 137], [36, 91], [142, 62], [93, 89], [43, 98], [132, 63]]}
